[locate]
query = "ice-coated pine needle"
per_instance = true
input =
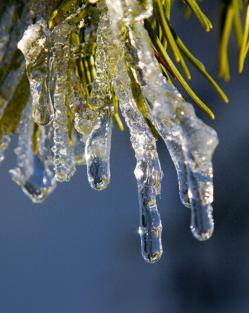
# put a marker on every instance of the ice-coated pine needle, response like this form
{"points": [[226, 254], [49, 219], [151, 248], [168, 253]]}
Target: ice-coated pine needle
{"points": [[148, 170]]}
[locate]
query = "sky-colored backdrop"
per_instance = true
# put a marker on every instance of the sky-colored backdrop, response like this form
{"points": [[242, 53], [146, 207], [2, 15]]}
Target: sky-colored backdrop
{"points": [[79, 251]]}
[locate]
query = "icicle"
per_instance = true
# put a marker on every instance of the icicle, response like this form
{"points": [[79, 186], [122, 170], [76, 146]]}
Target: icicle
{"points": [[34, 46], [34, 172], [98, 145], [60, 88], [194, 173], [148, 175], [148, 170], [200, 143], [63, 152], [191, 144], [161, 96], [97, 152]]}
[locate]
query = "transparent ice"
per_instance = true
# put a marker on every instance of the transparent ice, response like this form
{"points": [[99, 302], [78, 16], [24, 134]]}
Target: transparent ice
{"points": [[97, 152], [63, 151], [34, 46], [66, 124], [190, 142], [34, 172], [148, 170]]}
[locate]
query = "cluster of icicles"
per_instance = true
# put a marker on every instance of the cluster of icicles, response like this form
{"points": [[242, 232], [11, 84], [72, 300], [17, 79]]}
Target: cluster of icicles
{"points": [[123, 51]]}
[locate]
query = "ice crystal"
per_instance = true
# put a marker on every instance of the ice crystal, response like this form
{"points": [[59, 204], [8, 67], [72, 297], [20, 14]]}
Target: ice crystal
{"points": [[84, 64]]}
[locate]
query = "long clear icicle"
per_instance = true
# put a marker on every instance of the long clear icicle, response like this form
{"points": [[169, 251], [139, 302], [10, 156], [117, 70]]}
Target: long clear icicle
{"points": [[63, 151], [34, 45], [98, 145], [97, 152], [191, 153], [60, 93], [201, 141], [34, 172], [148, 170]]}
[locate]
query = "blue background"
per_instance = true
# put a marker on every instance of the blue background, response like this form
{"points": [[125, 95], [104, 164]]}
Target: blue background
{"points": [[79, 251]]}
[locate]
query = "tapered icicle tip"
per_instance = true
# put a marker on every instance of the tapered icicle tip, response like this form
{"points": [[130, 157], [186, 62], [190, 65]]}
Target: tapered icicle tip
{"points": [[42, 112], [202, 224], [150, 230], [98, 174], [97, 153], [151, 246], [202, 235], [152, 258], [36, 196]]}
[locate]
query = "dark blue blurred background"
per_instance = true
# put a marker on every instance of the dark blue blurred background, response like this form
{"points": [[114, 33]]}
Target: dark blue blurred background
{"points": [[79, 251]]}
